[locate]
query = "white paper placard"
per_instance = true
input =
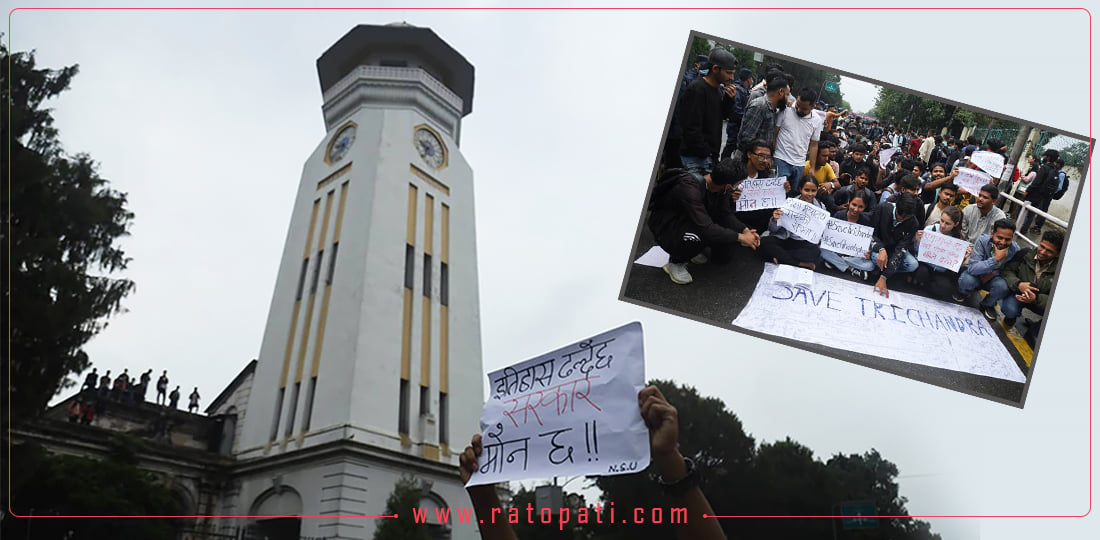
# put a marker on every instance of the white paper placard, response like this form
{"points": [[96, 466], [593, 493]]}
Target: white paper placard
{"points": [[942, 250], [846, 238], [803, 220], [761, 193], [990, 162], [885, 155], [971, 180], [573, 411]]}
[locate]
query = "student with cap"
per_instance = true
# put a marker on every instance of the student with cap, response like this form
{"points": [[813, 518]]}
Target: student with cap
{"points": [[705, 103]]}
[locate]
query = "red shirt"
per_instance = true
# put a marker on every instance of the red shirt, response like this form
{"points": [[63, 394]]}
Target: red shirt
{"points": [[914, 146]]}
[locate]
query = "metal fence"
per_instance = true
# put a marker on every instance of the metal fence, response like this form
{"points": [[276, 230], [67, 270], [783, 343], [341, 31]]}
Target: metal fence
{"points": [[1025, 209]]}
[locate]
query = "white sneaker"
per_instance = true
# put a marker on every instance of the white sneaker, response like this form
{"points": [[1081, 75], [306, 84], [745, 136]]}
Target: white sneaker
{"points": [[678, 272], [700, 259]]}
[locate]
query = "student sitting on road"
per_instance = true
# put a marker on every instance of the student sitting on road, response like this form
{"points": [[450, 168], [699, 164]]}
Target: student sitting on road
{"points": [[895, 227], [940, 281], [860, 267], [991, 253], [1030, 277], [691, 212], [784, 247]]}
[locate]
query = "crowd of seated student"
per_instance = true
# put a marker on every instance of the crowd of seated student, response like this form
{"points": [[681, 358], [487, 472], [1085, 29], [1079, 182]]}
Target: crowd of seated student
{"points": [[900, 205]]}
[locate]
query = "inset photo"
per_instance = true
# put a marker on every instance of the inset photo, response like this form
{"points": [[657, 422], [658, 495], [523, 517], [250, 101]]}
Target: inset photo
{"points": [[852, 218]]}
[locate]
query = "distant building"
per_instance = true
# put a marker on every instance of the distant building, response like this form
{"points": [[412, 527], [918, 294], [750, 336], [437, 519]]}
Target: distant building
{"points": [[370, 363]]}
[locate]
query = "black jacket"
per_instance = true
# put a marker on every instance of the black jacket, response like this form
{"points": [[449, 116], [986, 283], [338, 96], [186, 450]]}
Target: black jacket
{"points": [[680, 200], [1045, 183], [895, 240], [702, 109]]}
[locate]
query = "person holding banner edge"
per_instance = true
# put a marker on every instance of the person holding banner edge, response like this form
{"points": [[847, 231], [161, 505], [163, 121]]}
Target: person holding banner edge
{"points": [[675, 475]]}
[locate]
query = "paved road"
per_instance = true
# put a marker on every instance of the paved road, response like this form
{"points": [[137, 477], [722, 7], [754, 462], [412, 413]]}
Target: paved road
{"points": [[720, 292]]}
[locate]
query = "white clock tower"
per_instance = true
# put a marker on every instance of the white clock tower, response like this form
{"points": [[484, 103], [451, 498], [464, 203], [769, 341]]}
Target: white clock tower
{"points": [[370, 365]]}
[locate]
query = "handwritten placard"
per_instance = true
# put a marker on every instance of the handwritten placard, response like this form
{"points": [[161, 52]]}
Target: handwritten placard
{"points": [[761, 193], [971, 180], [573, 411], [803, 220], [990, 162], [885, 155], [846, 238], [942, 250]]}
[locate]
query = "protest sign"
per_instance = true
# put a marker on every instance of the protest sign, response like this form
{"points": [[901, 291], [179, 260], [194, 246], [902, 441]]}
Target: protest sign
{"points": [[942, 250], [803, 220], [573, 411], [903, 327], [846, 238], [885, 155], [761, 193], [990, 162], [971, 180]]}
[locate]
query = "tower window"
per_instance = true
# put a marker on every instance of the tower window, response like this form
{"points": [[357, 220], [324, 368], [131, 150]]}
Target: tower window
{"points": [[444, 419], [409, 258], [403, 408], [425, 401], [332, 264], [317, 271], [302, 278], [427, 275], [444, 287]]}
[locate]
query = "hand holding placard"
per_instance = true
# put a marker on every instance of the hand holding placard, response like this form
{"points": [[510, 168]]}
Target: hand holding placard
{"points": [[990, 162], [942, 250], [971, 180], [569, 412]]}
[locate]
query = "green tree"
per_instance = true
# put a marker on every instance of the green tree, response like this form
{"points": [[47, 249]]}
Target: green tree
{"points": [[1075, 155], [406, 496], [64, 224], [44, 484], [698, 46]]}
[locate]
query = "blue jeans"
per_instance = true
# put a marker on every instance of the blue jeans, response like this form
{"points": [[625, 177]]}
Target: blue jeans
{"points": [[843, 262], [792, 172], [997, 287], [697, 164], [909, 264]]}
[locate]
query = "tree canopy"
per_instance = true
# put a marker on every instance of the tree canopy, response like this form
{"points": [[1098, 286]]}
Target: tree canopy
{"points": [[64, 223], [405, 497], [740, 477]]}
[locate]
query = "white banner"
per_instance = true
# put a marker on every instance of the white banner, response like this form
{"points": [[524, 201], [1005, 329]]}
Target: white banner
{"points": [[990, 162], [846, 238], [761, 193], [803, 219], [971, 180], [942, 250], [903, 327], [573, 411]]}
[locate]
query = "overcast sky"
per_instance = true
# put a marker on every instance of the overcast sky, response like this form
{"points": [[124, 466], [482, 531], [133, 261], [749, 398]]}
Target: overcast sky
{"points": [[205, 118]]}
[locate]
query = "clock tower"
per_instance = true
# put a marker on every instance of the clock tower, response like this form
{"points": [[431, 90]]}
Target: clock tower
{"points": [[370, 365]]}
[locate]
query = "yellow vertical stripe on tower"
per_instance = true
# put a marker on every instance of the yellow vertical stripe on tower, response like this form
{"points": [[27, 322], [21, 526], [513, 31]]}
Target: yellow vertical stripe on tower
{"points": [[410, 225], [298, 301], [320, 338], [429, 214], [406, 316], [426, 302], [445, 234], [313, 291]]}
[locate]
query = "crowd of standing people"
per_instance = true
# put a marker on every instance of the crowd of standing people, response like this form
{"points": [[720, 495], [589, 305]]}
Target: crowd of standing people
{"points": [[99, 391], [830, 159]]}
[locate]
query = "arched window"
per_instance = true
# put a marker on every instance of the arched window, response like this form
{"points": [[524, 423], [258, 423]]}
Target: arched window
{"points": [[277, 501]]}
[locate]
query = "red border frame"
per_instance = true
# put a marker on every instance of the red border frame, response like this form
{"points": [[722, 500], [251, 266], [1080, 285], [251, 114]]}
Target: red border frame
{"points": [[1089, 511]]}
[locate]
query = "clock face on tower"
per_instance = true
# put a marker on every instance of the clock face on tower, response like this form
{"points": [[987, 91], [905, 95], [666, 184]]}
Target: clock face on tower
{"points": [[341, 143], [430, 147]]}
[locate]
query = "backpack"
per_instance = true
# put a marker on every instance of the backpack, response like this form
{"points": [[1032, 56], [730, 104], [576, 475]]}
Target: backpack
{"points": [[666, 182], [1063, 185]]}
